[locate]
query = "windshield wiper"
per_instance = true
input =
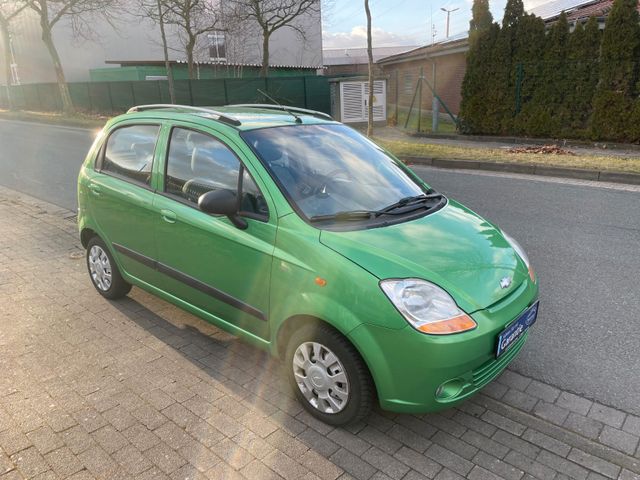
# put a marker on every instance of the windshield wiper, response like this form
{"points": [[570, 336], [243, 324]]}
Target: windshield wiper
{"points": [[370, 214], [353, 215], [407, 201]]}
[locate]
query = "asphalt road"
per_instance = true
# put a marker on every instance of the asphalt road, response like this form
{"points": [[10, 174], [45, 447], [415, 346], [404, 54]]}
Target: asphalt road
{"points": [[583, 239]]}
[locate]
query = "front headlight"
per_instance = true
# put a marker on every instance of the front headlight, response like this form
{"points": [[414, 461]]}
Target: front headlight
{"points": [[520, 251], [427, 307]]}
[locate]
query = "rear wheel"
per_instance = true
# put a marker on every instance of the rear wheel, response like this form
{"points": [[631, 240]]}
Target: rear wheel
{"points": [[104, 272], [328, 375]]}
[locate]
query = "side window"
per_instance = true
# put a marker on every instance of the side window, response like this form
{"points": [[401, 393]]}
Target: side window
{"points": [[129, 153], [198, 163]]}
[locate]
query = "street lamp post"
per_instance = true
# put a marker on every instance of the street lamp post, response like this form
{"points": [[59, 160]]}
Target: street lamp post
{"points": [[448, 14]]}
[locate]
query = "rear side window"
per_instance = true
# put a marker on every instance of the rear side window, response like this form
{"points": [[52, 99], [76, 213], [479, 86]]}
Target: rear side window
{"points": [[129, 153], [198, 163]]}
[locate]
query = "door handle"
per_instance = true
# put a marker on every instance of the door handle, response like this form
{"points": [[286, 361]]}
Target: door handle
{"points": [[95, 189], [168, 216]]}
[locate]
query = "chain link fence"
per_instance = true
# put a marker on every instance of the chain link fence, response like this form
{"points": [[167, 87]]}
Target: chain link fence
{"points": [[425, 98], [310, 92]]}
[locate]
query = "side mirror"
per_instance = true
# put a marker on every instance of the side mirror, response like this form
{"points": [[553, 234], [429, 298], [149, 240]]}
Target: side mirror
{"points": [[222, 202]]}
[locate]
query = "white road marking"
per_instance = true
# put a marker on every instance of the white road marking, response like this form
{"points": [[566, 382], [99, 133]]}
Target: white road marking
{"points": [[537, 178]]}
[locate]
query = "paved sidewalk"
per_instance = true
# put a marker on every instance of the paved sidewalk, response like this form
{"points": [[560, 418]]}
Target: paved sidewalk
{"points": [[139, 389]]}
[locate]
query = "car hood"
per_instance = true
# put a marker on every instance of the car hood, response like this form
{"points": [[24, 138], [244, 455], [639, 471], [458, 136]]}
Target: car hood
{"points": [[453, 248]]}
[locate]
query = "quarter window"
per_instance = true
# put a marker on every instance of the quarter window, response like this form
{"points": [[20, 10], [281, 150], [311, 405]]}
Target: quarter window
{"points": [[129, 153], [198, 163]]}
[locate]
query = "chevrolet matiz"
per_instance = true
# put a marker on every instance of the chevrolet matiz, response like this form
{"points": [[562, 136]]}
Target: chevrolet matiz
{"points": [[304, 238]]}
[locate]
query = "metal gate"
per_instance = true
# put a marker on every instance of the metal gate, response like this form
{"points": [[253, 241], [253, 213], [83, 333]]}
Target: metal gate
{"points": [[354, 97]]}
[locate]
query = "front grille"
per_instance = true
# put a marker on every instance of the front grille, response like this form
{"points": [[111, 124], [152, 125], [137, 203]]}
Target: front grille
{"points": [[492, 368]]}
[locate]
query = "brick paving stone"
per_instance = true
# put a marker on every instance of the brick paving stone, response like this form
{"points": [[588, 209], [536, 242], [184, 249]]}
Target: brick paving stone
{"points": [[232, 453], [418, 462], [132, 460], [141, 437], [98, 462], [446, 474], [607, 415], [516, 443], [77, 439], [318, 442], [526, 464], [594, 463], [319, 465], [63, 462], [386, 463], [574, 403], [551, 412], [618, 439], [408, 437], [497, 466], [519, 399], [474, 423], [632, 425], [485, 444], [199, 456], [352, 464], [449, 459], [188, 472], [257, 469], [349, 441], [542, 391], [628, 475], [479, 473], [165, 458], [13, 440], [109, 439], [503, 423], [545, 441], [514, 380], [285, 466], [379, 439], [459, 446], [45, 439], [562, 465], [30, 462], [284, 442], [585, 426]]}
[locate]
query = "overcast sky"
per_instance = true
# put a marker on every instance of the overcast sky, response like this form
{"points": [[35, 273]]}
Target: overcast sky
{"points": [[399, 22]]}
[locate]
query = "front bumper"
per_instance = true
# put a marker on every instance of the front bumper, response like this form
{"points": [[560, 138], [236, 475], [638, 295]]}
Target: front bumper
{"points": [[409, 367]]}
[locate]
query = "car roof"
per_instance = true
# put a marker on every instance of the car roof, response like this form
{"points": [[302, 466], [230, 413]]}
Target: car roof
{"points": [[240, 117]]}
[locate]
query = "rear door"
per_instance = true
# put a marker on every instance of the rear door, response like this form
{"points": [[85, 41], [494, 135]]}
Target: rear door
{"points": [[121, 193], [204, 259]]}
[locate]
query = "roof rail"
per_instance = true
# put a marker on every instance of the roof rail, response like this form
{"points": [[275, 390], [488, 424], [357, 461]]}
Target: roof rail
{"points": [[222, 116], [284, 108]]}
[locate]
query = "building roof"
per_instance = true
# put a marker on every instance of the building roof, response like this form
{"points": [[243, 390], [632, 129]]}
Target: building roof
{"points": [[446, 47], [135, 63], [358, 56], [554, 8]]}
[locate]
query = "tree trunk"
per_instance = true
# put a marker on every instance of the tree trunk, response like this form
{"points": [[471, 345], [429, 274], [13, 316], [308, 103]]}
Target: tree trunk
{"points": [[189, 51], [4, 32], [165, 49], [371, 79], [65, 97], [265, 54]]}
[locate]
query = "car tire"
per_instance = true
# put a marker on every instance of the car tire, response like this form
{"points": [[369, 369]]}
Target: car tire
{"points": [[103, 271], [328, 376]]}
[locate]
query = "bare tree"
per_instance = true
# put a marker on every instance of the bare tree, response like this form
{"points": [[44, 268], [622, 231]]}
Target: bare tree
{"points": [[165, 51], [371, 79], [9, 10], [192, 18], [272, 15], [79, 13]]}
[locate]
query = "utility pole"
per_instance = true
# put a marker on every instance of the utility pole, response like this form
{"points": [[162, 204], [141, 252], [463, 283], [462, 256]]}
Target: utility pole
{"points": [[448, 14]]}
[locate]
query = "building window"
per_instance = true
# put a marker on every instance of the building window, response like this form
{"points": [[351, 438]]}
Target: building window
{"points": [[217, 47]]}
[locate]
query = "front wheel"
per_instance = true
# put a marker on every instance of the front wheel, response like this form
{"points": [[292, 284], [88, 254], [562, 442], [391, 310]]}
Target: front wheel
{"points": [[328, 375], [104, 272]]}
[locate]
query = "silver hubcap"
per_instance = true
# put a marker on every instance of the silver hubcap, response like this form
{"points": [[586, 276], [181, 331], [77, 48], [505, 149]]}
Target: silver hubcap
{"points": [[100, 268], [321, 377]]}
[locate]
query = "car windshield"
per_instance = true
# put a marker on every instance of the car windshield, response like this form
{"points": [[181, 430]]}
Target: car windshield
{"points": [[329, 170]]}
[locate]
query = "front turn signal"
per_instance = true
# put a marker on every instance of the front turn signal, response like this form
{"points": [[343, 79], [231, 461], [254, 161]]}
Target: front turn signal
{"points": [[458, 324]]}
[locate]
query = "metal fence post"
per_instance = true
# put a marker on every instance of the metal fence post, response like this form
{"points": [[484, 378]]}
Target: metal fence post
{"points": [[420, 99]]}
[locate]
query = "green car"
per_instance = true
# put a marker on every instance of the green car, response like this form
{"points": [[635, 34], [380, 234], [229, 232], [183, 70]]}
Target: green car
{"points": [[302, 237]]}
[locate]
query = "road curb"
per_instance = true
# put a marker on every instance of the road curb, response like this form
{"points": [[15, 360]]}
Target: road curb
{"points": [[569, 437], [542, 170]]}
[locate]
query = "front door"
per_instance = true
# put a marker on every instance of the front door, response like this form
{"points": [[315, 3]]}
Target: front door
{"points": [[204, 259]]}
